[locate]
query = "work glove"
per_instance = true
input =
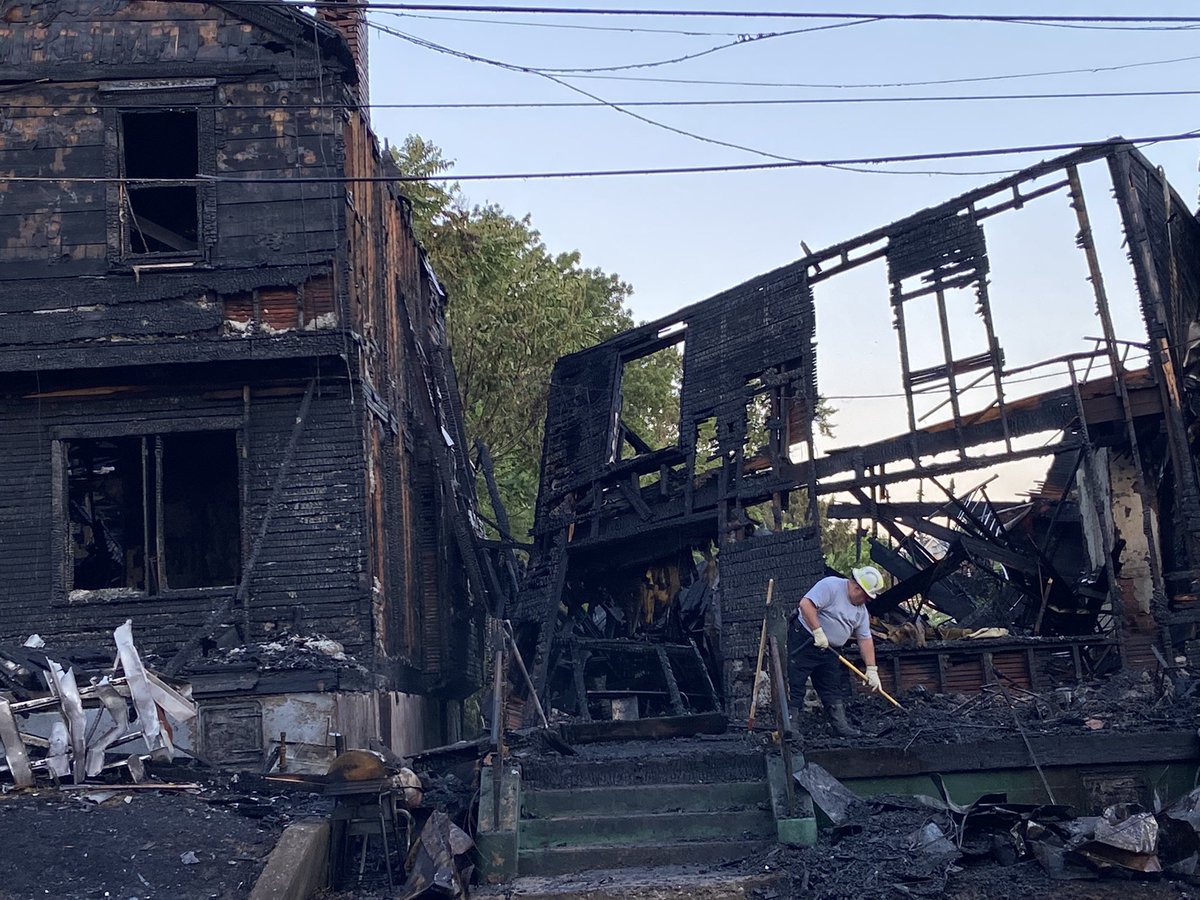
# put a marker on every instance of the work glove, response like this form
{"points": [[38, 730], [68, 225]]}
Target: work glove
{"points": [[819, 640], [873, 678]]}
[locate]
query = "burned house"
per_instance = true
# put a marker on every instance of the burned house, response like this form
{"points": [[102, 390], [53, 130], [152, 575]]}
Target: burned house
{"points": [[651, 565], [228, 411]]}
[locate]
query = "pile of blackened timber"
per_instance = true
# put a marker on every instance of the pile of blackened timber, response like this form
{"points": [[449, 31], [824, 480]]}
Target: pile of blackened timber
{"points": [[918, 846], [135, 701], [1028, 586]]}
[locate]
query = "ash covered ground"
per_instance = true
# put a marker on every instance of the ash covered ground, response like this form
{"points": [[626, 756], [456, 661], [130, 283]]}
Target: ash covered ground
{"points": [[123, 843], [1125, 703]]}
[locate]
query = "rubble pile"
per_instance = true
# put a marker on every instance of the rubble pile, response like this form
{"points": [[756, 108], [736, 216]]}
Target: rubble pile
{"points": [[287, 652], [930, 846], [1126, 702], [88, 723]]}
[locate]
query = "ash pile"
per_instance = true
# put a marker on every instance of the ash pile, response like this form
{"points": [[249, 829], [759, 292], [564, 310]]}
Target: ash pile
{"points": [[1128, 702], [61, 722], [931, 846], [286, 652]]}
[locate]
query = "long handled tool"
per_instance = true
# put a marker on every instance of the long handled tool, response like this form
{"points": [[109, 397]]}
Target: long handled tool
{"points": [[762, 646], [857, 671]]}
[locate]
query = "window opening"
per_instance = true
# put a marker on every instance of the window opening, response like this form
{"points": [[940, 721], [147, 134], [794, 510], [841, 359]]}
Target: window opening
{"points": [[160, 218], [107, 513], [200, 503], [648, 407], [154, 512]]}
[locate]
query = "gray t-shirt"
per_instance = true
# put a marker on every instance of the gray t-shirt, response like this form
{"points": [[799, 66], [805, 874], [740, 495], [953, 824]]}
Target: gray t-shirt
{"points": [[836, 614]]}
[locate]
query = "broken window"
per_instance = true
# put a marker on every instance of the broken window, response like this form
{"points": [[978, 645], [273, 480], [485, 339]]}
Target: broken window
{"points": [[642, 425], [160, 217], [150, 513]]}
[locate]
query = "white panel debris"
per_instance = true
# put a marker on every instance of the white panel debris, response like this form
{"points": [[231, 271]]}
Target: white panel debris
{"points": [[82, 747]]}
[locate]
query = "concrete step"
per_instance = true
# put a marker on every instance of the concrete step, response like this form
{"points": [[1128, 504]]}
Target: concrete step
{"points": [[650, 798], [647, 828], [568, 860]]}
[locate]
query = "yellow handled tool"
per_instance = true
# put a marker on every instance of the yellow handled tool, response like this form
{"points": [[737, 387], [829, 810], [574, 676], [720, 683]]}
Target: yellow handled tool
{"points": [[762, 646], [855, 669]]}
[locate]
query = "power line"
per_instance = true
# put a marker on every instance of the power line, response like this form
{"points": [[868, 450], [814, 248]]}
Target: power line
{"points": [[793, 101], [733, 14], [1091, 70], [740, 42], [439, 48], [598, 173], [630, 29], [29, 111], [633, 29]]}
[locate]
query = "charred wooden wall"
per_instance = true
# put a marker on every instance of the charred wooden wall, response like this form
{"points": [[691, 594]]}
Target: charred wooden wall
{"points": [[309, 576], [607, 511], [305, 266]]}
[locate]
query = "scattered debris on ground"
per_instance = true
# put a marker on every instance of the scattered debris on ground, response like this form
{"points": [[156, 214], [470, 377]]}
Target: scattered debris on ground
{"points": [[1130, 702], [136, 701], [119, 840], [920, 846]]}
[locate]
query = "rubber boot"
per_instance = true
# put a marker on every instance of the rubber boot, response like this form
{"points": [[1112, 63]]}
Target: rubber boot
{"points": [[837, 718]]}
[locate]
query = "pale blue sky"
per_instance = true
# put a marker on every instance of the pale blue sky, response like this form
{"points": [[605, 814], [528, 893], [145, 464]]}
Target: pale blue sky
{"points": [[681, 238]]}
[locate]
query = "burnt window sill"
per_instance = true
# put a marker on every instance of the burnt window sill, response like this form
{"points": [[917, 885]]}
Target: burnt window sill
{"points": [[105, 596]]}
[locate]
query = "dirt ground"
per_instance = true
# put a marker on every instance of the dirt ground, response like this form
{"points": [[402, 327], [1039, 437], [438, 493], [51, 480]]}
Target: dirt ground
{"points": [[145, 844]]}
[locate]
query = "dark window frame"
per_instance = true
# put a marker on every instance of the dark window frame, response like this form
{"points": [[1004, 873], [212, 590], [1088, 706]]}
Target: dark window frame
{"points": [[146, 98], [64, 593]]}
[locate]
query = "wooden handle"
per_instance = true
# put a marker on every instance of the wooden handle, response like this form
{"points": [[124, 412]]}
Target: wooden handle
{"points": [[853, 668], [762, 646]]}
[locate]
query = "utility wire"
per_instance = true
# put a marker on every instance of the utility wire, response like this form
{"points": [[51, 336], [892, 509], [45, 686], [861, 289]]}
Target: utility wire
{"points": [[598, 173], [1091, 70], [35, 110], [438, 48], [741, 41], [630, 29], [726, 14], [633, 29]]}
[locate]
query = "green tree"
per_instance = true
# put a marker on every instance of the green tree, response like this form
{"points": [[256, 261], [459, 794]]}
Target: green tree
{"points": [[514, 309]]}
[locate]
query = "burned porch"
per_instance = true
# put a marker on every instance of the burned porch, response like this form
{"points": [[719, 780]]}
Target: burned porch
{"points": [[649, 560]]}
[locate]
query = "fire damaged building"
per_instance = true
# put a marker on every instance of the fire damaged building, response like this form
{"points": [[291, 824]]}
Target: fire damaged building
{"points": [[649, 577], [228, 410]]}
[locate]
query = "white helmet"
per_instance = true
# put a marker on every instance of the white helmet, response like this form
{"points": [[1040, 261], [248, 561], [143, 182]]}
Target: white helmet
{"points": [[869, 580]]}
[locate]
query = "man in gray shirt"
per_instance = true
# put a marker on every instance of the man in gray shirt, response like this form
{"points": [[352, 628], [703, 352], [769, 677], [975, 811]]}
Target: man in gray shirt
{"points": [[831, 612]]}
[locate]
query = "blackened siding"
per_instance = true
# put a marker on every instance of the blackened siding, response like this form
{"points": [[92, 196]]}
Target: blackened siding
{"points": [[310, 570], [298, 274]]}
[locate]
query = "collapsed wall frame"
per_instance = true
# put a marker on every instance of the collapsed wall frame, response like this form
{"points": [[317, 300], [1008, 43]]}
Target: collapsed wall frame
{"points": [[652, 554]]}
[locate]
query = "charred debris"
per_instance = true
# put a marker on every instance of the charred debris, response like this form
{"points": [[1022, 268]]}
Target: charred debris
{"points": [[649, 569], [1049, 638]]}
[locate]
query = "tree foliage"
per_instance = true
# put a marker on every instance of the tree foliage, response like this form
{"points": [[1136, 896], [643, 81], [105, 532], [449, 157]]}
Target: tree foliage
{"points": [[515, 308]]}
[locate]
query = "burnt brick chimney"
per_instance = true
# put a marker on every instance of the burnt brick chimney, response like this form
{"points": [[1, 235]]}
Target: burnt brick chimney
{"points": [[350, 19]]}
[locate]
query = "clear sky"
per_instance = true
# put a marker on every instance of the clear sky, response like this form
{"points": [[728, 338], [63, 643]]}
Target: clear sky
{"points": [[681, 238]]}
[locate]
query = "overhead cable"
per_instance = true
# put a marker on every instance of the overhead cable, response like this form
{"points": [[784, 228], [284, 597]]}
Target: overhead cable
{"points": [[19, 111], [597, 173], [739, 42], [728, 14], [439, 48], [1090, 70]]}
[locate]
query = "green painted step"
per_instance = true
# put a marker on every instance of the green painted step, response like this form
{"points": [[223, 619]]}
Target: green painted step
{"points": [[650, 798], [566, 860], [649, 828], [716, 766]]}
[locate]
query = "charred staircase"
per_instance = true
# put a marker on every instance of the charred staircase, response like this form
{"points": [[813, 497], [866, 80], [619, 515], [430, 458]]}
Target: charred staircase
{"points": [[694, 802]]}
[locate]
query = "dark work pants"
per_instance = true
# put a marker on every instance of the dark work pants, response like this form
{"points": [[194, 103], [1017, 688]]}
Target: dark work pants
{"points": [[804, 661]]}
